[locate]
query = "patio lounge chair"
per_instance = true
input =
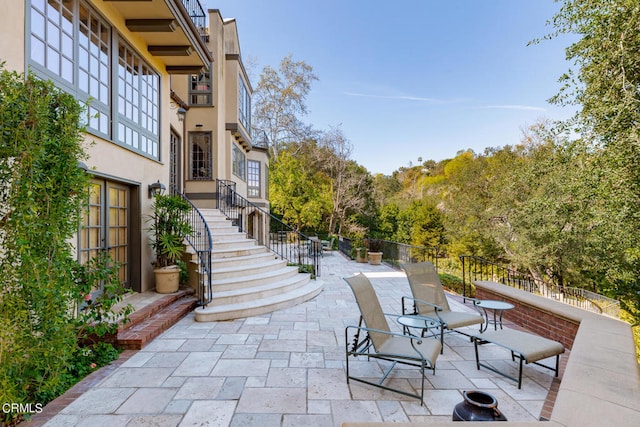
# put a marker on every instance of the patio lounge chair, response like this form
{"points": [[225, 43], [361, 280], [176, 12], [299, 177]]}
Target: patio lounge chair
{"points": [[429, 300], [528, 348], [375, 340]]}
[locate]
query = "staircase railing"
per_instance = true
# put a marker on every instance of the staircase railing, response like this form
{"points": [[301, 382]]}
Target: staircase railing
{"points": [[269, 231], [476, 268], [201, 241]]}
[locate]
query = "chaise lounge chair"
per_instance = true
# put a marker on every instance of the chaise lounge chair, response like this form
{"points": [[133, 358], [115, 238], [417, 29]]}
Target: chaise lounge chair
{"points": [[375, 340], [430, 301]]}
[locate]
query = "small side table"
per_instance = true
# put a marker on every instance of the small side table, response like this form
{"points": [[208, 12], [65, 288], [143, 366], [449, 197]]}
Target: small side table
{"points": [[419, 322], [498, 307]]}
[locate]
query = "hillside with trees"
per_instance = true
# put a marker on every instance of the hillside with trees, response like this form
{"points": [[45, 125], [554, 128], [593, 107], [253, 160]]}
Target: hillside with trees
{"points": [[562, 204]]}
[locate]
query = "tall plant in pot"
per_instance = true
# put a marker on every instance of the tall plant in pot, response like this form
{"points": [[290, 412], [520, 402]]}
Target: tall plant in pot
{"points": [[375, 251], [168, 226]]}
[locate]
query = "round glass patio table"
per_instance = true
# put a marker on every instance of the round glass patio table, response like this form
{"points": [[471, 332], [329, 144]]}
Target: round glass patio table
{"points": [[418, 322], [498, 307]]}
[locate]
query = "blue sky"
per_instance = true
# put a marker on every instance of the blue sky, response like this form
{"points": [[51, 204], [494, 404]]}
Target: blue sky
{"points": [[412, 78]]}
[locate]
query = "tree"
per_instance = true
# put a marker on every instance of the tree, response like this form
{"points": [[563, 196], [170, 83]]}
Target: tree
{"points": [[605, 84], [279, 102]]}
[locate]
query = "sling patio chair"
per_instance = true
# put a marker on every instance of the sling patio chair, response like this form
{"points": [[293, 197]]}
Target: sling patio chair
{"points": [[375, 340], [430, 301]]}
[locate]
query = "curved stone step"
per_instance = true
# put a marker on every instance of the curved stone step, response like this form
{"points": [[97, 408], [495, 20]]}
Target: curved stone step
{"points": [[247, 269], [251, 280], [254, 293], [259, 306]]}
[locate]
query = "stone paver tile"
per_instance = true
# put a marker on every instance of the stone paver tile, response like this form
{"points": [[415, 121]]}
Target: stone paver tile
{"points": [[147, 401], [355, 411], [232, 339], [138, 359], [99, 401], [306, 326], [200, 388], [283, 345], [137, 377], [256, 420], [485, 383], [361, 391], [185, 333], [307, 360], [240, 351], [165, 360], [161, 344], [306, 420], [442, 402], [231, 389], [327, 384], [273, 400], [319, 406], [287, 377], [392, 411], [62, 420], [197, 364], [178, 406], [104, 420], [212, 413], [200, 344], [164, 420], [510, 408], [450, 379], [175, 382], [322, 338], [240, 368]]}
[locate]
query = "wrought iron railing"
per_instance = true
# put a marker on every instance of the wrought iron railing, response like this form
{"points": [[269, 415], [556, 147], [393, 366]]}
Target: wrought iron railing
{"points": [[197, 15], [476, 268], [394, 253], [269, 231], [202, 243]]}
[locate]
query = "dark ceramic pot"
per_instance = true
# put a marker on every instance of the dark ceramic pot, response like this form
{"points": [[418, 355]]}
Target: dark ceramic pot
{"points": [[477, 406]]}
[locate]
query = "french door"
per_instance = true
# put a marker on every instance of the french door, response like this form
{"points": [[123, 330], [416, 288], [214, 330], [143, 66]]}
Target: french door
{"points": [[106, 226]]}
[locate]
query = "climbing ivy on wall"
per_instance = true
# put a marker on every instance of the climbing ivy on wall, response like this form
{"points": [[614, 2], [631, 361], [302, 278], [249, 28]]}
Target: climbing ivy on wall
{"points": [[41, 194]]}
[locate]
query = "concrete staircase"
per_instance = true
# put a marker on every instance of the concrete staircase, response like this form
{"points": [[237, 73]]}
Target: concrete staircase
{"points": [[248, 279]]}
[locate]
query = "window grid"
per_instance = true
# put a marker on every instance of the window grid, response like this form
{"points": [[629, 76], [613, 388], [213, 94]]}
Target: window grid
{"points": [[244, 104], [253, 178], [200, 156], [138, 87], [71, 44], [200, 89], [239, 163]]}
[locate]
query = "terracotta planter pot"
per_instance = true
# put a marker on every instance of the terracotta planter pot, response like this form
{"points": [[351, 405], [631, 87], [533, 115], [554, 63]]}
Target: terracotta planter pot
{"points": [[361, 255], [375, 258], [167, 279]]}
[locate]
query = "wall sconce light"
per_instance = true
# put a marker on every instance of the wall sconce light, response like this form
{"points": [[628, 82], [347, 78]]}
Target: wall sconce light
{"points": [[181, 113], [156, 189]]}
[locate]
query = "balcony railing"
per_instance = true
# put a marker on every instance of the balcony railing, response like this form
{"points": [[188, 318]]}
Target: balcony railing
{"points": [[198, 17], [476, 268]]}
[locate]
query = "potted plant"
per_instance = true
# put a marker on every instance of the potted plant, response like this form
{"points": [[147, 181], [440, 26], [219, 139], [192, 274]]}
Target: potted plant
{"points": [[358, 251], [168, 227], [375, 251]]}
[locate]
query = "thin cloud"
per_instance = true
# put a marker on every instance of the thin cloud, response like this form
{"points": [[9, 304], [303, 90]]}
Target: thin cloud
{"points": [[399, 97], [512, 107]]}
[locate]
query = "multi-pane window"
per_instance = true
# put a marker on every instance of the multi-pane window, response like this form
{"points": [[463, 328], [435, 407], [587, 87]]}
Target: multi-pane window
{"points": [[239, 162], [253, 178], [200, 156], [200, 89], [244, 104], [72, 45], [138, 90]]}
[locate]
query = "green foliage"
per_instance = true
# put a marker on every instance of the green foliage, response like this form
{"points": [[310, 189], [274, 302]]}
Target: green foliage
{"points": [[98, 292], [168, 227], [42, 191]]}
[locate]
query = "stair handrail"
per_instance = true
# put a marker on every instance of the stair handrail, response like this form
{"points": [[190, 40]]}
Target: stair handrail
{"points": [[283, 240], [477, 268], [201, 242]]}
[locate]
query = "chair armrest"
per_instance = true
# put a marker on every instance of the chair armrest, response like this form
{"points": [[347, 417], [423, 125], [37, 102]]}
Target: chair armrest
{"points": [[413, 339]]}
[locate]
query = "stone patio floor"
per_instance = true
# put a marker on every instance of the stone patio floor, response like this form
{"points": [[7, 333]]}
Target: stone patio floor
{"points": [[287, 368]]}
